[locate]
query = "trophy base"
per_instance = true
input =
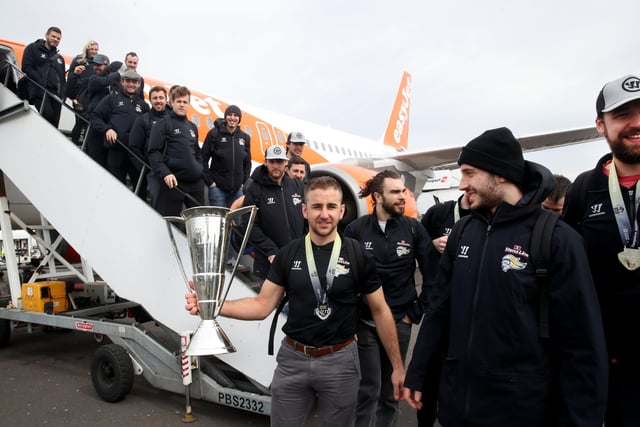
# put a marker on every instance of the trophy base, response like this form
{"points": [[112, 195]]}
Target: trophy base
{"points": [[209, 339]]}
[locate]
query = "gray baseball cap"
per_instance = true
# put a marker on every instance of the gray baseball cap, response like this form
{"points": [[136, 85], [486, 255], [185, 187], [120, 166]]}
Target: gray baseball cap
{"points": [[617, 93], [296, 138], [275, 152], [130, 75]]}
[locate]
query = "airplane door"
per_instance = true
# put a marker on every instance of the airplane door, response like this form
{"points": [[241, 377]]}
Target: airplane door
{"points": [[264, 134]]}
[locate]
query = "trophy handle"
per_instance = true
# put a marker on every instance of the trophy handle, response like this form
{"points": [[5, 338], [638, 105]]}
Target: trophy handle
{"points": [[169, 220], [230, 216]]}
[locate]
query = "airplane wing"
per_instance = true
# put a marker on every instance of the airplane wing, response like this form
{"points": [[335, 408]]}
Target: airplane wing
{"points": [[433, 166], [446, 157]]}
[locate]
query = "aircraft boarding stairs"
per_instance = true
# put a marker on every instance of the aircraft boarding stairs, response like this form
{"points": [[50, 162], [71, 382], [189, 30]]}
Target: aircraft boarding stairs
{"points": [[126, 243]]}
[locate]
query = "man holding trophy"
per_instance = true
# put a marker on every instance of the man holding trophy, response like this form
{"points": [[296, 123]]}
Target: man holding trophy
{"points": [[324, 280]]}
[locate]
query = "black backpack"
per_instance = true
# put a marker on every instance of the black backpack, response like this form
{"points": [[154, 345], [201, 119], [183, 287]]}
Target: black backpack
{"points": [[540, 253], [289, 251]]}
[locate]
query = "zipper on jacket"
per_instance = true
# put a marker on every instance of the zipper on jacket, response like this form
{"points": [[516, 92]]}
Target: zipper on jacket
{"points": [[474, 306], [284, 209]]}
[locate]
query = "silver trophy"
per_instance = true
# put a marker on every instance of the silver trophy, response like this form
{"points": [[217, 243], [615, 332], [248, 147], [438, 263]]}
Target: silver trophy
{"points": [[209, 230]]}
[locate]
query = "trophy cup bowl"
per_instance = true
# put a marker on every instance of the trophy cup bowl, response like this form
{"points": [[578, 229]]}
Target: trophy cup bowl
{"points": [[208, 230]]}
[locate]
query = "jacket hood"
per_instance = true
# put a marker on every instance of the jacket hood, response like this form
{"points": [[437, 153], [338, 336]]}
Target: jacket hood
{"points": [[41, 43], [538, 183], [261, 176], [218, 123]]}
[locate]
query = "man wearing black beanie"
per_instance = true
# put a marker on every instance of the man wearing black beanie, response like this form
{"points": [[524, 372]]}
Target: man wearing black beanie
{"points": [[498, 367], [226, 157]]}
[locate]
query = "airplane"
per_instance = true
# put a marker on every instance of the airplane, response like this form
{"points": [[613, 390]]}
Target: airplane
{"points": [[351, 159], [126, 242]]}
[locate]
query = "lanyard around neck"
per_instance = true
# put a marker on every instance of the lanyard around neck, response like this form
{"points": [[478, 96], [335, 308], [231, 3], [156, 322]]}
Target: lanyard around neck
{"points": [[620, 211], [320, 292]]}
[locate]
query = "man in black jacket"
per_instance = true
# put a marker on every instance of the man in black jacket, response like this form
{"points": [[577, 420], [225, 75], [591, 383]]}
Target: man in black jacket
{"points": [[226, 157], [113, 117], [42, 63], [602, 204], [140, 132], [483, 315], [396, 242], [175, 159], [279, 199], [101, 83]]}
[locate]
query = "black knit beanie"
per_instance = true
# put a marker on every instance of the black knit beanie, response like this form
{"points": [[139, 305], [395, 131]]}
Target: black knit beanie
{"points": [[496, 151], [233, 109]]}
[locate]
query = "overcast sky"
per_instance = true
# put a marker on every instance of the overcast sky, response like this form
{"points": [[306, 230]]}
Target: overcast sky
{"points": [[534, 66]]}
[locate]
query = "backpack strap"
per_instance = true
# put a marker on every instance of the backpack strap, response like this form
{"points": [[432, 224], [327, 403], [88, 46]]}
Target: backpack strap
{"points": [[577, 202], [285, 253], [540, 254], [355, 256], [412, 226], [454, 236]]}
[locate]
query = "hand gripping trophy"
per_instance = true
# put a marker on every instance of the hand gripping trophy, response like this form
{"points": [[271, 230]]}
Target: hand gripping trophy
{"points": [[209, 231]]}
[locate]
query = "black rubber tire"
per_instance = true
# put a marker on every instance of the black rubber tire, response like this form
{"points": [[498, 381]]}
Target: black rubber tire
{"points": [[5, 332], [111, 372]]}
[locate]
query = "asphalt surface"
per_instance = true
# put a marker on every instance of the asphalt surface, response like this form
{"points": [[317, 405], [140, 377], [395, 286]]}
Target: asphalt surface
{"points": [[46, 380]]}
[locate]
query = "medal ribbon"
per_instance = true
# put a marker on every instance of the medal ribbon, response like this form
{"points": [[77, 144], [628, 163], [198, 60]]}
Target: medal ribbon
{"points": [[456, 212], [320, 292], [620, 211]]}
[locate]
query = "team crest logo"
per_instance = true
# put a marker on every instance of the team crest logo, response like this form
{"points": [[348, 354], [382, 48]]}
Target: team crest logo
{"points": [[512, 262], [138, 108], [342, 267], [241, 141], [193, 134], [296, 199], [403, 248]]}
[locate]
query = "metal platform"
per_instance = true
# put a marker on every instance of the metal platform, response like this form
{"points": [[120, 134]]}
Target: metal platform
{"points": [[69, 199]]}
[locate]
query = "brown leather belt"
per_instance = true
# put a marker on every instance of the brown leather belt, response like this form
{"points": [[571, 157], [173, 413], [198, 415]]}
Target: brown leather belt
{"points": [[316, 351]]}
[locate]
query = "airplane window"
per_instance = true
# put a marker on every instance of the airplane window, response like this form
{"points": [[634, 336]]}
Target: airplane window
{"points": [[350, 152], [330, 147], [265, 134], [247, 130], [195, 119], [323, 147], [209, 122], [344, 151]]}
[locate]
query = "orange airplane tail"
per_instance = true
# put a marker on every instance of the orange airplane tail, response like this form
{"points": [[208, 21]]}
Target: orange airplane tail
{"points": [[397, 132]]}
